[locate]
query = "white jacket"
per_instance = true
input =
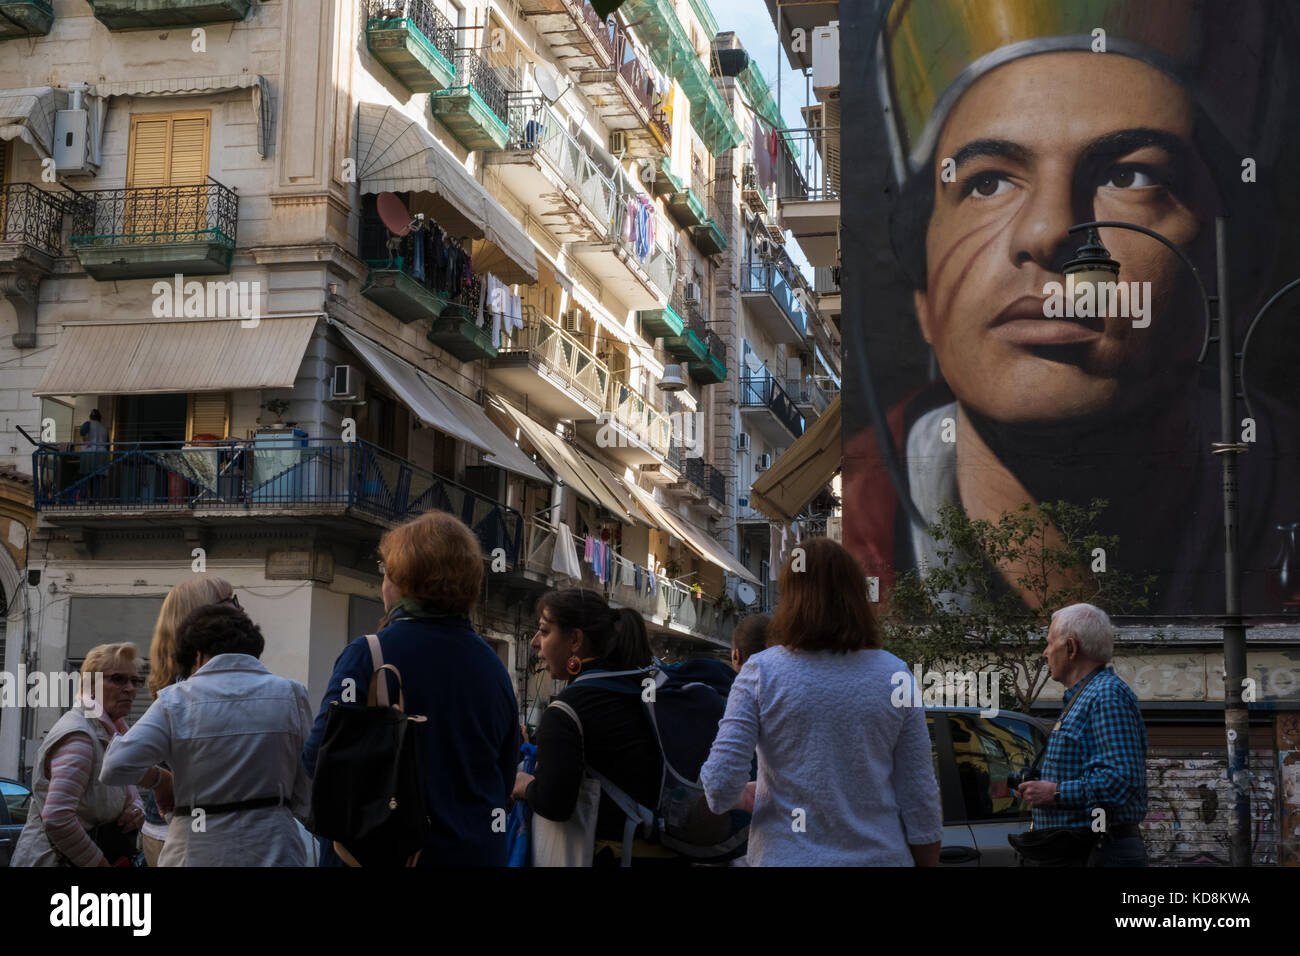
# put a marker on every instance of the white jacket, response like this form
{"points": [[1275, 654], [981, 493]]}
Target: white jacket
{"points": [[232, 732]]}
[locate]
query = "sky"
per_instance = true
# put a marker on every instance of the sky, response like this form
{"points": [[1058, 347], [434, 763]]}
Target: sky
{"points": [[752, 23]]}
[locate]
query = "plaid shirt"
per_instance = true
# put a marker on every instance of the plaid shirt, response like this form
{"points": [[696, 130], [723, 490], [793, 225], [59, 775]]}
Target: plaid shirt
{"points": [[1097, 757]]}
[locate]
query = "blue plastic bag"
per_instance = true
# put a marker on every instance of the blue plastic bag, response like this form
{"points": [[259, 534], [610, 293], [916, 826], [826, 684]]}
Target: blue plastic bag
{"points": [[517, 822]]}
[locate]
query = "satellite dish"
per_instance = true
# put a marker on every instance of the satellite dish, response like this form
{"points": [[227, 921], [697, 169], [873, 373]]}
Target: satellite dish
{"points": [[745, 593], [755, 366], [546, 84], [392, 211]]}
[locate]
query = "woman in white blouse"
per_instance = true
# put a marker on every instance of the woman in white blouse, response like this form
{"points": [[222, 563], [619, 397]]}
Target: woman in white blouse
{"points": [[845, 778], [232, 733]]}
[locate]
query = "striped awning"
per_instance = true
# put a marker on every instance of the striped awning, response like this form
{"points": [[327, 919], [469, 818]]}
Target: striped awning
{"points": [[806, 467], [695, 538], [398, 154], [158, 357], [28, 114], [194, 85]]}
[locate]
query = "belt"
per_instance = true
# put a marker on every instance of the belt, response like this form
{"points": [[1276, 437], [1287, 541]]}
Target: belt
{"points": [[255, 804], [1123, 831]]}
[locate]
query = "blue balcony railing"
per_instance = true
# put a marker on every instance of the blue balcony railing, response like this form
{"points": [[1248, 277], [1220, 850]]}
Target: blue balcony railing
{"points": [[264, 474], [758, 391], [767, 277]]}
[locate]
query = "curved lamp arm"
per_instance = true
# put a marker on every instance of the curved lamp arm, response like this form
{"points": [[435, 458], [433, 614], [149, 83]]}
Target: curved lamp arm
{"points": [[1245, 343], [1196, 273]]}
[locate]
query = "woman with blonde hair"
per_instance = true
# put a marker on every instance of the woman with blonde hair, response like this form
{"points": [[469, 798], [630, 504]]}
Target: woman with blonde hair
{"points": [[75, 820], [181, 600]]}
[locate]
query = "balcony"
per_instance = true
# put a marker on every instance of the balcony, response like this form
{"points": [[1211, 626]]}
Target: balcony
{"points": [[31, 238], [148, 14], [770, 409], [392, 285], [812, 396], [624, 96], [475, 110], [578, 36], [639, 273], [630, 428], [553, 174], [808, 184], [25, 18], [661, 322], [751, 192], [457, 332], [700, 481], [265, 477], [770, 299], [155, 232], [664, 182], [702, 349], [415, 41], [687, 208], [708, 236], [553, 369]]}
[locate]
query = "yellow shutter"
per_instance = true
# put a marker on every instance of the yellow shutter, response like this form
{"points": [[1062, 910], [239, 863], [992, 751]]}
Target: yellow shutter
{"points": [[147, 159], [209, 412], [167, 149], [189, 151]]}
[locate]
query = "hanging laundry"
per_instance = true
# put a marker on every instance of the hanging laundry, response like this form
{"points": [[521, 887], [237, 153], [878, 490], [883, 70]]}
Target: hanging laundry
{"points": [[565, 563], [636, 569], [628, 579], [589, 549]]}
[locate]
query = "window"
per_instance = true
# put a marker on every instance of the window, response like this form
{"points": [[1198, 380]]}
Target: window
{"points": [[150, 418], [986, 751], [61, 414], [167, 149], [209, 415], [17, 799]]}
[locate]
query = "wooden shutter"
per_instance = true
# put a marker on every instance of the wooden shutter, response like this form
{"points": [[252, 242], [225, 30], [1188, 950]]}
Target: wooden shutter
{"points": [[147, 159], [189, 150], [166, 149], [209, 413]]}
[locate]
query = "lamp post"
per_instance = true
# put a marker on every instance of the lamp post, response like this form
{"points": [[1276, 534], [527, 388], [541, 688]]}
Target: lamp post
{"points": [[1092, 263]]}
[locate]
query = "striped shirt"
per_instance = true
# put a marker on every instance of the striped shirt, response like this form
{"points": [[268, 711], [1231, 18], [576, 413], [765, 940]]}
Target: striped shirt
{"points": [[1097, 757], [70, 766]]}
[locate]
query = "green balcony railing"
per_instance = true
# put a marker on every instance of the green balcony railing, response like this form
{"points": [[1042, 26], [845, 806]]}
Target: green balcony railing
{"points": [[475, 109], [25, 18], [415, 41], [148, 14]]}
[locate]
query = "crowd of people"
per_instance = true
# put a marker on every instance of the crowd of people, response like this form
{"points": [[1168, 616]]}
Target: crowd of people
{"points": [[810, 749]]}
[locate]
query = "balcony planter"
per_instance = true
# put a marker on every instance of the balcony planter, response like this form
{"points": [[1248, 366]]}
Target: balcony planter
{"points": [[686, 346], [408, 53], [148, 14], [456, 332], [25, 18], [686, 208], [709, 238], [711, 371], [661, 322], [408, 299]]}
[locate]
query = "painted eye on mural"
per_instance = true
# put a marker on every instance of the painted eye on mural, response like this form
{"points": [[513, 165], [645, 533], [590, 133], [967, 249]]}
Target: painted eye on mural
{"points": [[1131, 177], [986, 185]]}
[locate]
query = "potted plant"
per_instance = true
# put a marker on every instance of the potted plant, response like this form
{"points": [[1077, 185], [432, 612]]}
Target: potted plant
{"points": [[672, 569], [277, 407]]}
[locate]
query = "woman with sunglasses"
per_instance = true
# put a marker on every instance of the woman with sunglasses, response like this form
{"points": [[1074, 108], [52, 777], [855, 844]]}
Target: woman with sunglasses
{"points": [[73, 812]]}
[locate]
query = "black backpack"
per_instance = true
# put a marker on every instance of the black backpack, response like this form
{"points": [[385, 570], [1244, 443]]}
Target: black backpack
{"points": [[368, 792]]}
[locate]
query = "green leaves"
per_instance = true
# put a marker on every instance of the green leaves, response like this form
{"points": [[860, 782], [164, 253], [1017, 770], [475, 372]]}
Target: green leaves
{"points": [[989, 598]]}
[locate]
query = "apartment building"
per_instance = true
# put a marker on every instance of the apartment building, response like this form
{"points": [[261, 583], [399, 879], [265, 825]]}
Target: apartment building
{"points": [[281, 275]]}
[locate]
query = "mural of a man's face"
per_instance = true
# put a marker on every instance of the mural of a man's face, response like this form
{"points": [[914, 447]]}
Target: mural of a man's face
{"points": [[1039, 144]]}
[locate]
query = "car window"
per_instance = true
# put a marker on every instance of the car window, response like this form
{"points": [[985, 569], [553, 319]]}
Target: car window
{"points": [[16, 798], [988, 750]]}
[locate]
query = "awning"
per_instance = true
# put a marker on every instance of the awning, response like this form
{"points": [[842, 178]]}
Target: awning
{"points": [[28, 114], [806, 467], [442, 407], [696, 539], [198, 355], [574, 468], [397, 154], [194, 85]]}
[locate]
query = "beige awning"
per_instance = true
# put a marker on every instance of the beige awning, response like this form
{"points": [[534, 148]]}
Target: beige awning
{"points": [[195, 85], [155, 357], [574, 468], [397, 154], [441, 406], [28, 114], [805, 469], [697, 539]]}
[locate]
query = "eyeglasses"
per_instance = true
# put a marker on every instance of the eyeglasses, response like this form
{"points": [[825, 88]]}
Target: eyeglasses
{"points": [[233, 599], [121, 680]]}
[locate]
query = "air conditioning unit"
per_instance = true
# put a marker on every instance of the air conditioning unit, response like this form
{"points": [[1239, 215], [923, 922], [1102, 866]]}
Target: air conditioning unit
{"points": [[742, 441], [572, 321], [826, 56], [742, 501], [345, 384], [618, 141], [764, 462], [691, 292]]}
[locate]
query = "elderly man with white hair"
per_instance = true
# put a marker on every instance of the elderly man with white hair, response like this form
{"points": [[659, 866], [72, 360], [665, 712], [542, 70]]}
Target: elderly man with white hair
{"points": [[1096, 754]]}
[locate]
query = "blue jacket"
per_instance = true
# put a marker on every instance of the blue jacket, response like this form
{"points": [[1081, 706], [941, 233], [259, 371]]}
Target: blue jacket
{"points": [[470, 744]]}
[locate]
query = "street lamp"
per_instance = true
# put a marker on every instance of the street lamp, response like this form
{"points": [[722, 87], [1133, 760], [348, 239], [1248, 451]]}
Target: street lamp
{"points": [[1090, 264]]}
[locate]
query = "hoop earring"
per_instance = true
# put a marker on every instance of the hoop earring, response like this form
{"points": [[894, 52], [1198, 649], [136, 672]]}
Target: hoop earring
{"points": [[573, 665]]}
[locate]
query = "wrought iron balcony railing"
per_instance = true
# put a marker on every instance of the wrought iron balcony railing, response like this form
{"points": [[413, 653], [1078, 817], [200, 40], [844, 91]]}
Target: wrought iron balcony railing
{"points": [[31, 216], [561, 354], [155, 214], [763, 391], [424, 16], [474, 71], [263, 475], [534, 125]]}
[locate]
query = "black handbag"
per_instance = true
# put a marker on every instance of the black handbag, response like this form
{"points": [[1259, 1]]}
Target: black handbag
{"points": [[368, 792]]}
